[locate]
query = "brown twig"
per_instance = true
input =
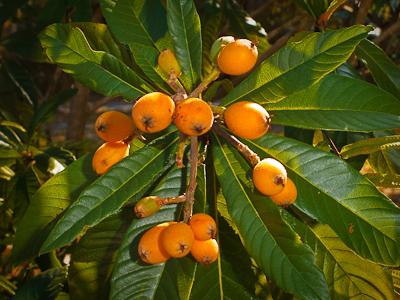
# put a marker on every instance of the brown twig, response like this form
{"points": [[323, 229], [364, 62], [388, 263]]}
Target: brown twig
{"points": [[177, 87], [172, 200], [363, 11], [331, 143], [194, 154], [249, 154], [214, 74], [181, 150]]}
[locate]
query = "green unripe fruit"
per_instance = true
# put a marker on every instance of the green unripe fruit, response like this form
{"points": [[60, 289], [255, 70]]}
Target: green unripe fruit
{"points": [[218, 45], [147, 206]]}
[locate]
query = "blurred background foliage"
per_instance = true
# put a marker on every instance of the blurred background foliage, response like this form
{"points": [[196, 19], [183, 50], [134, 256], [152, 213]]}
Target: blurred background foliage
{"points": [[46, 117]]}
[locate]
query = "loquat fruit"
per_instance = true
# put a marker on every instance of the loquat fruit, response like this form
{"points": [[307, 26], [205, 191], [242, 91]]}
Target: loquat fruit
{"points": [[150, 249], [203, 227], [238, 57], [193, 117], [147, 206], [153, 112], [113, 126], [109, 154], [247, 119], [205, 252], [269, 176], [287, 196], [218, 45], [177, 239], [168, 62]]}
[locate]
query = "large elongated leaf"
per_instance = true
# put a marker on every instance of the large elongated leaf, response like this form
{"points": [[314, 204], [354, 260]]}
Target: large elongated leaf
{"points": [[348, 275], [283, 73], [338, 103], [48, 202], [184, 26], [143, 26], [385, 72], [127, 180], [93, 258], [336, 194], [371, 145], [68, 47], [269, 240]]}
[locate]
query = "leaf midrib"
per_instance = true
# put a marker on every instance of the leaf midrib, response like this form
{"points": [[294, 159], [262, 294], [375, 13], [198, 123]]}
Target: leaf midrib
{"points": [[187, 44], [325, 193], [260, 219], [293, 68]]}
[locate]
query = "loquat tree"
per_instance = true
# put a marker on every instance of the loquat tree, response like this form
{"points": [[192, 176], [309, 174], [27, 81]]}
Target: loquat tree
{"points": [[227, 181]]}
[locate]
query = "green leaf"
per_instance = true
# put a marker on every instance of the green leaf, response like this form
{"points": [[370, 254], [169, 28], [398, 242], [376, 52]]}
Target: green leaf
{"points": [[131, 279], [147, 34], [146, 58], [47, 203], [16, 125], [67, 46], [381, 163], [211, 22], [314, 7], [384, 180], [9, 153], [49, 107], [46, 285], [243, 25], [22, 80], [127, 180], [269, 240], [7, 285], [370, 145], [282, 74], [385, 72], [338, 103], [92, 259], [185, 29], [348, 275], [333, 192]]}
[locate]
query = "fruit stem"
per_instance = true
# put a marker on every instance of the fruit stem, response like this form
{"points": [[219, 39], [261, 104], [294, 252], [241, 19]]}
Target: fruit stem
{"points": [[194, 156], [172, 200], [249, 154], [213, 75], [219, 110], [177, 87], [180, 151]]}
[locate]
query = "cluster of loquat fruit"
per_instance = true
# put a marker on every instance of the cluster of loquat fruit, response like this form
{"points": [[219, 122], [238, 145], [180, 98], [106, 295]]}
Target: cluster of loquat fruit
{"points": [[172, 239], [192, 116]]}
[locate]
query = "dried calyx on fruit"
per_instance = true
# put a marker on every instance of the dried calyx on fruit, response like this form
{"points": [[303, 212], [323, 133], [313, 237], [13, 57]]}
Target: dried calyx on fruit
{"points": [[153, 112]]}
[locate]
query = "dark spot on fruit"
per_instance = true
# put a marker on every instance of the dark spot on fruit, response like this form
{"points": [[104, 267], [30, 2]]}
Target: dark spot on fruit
{"points": [[182, 247], [147, 122], [279, 180], [198, 128], [102, 127]]}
